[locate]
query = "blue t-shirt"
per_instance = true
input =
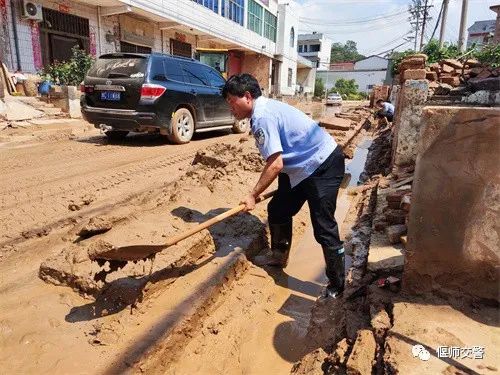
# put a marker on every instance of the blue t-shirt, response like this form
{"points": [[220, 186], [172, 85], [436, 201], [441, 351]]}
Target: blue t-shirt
{"points": [[279, 127]]}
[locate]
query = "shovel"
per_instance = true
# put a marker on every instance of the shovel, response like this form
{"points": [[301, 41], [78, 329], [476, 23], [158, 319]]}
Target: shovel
{"points": [[138, 252]]}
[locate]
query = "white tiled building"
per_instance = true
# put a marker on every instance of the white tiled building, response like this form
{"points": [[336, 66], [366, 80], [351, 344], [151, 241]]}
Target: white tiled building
{"points": [[233, 35], [316, 48]]}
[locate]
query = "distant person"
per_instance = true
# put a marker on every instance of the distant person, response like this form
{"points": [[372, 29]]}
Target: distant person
{"points": [[309, 166], [386, 110], [217, 67]]}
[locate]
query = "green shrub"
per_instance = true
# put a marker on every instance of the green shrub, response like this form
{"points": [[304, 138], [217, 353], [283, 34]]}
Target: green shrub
{"points": [[319, 88], [70, 72], [489, 55]]}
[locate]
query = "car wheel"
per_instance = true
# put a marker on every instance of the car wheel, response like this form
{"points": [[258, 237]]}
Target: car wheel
{"points": [[182, 126], [116, 135], [241, 126]]}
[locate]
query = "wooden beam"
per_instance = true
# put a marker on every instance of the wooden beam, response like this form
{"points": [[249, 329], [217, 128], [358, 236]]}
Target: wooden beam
{"points": [[111, 11]]}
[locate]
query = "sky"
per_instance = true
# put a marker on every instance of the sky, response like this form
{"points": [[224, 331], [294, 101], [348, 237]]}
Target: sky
{"points": [[380, 25]]}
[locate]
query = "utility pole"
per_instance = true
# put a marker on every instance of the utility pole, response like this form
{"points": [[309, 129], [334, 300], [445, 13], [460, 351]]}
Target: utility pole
{"points": [[423, 26], [463, 26], [416, 29], [443, 23]]}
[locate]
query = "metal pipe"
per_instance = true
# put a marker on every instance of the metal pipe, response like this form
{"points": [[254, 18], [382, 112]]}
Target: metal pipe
{"points": [[14, 29]]}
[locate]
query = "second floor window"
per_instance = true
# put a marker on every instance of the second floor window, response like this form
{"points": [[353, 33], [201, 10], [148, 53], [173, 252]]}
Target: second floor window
{"points": [[210, 4], [270, 22], [292, 37], [233, 10], [255, 17]]}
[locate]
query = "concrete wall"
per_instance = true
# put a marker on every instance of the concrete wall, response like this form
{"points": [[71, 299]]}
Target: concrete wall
{"points": [[306, 78], [363, 78], [407, 121], [453, 236]]}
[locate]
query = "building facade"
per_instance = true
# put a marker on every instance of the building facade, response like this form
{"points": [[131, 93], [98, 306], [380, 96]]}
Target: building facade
{"points": [[316, 48], [232, 36], [481, 33], [368, 72]]}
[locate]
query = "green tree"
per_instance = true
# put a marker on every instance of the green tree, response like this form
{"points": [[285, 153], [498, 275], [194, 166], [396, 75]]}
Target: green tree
{"points": [[319, 88], [345, 52], [346, 88], [436, 54]]}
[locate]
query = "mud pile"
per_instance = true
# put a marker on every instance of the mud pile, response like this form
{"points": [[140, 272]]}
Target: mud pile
{"points": [[216, 170]]}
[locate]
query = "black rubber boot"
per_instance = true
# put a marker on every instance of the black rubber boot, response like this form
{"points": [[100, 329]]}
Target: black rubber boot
{"points": [[335, 271], [281, 242]]}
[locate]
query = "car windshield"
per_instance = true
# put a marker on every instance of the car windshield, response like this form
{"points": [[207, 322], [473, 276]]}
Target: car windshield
{"points": [[119, 67]]}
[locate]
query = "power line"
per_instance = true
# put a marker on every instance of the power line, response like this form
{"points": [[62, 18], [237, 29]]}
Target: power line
{"points": [[351, 22]]}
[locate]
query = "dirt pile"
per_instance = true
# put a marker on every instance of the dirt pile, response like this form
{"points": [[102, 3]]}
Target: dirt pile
{"points": [[75, 266]]}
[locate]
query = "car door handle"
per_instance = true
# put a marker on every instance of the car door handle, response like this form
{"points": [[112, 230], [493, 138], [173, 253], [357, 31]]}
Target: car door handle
{"points": [[194, 92]]}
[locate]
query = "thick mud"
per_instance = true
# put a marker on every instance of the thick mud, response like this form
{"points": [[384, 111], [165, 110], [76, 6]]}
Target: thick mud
{"points": [[199, 306]]}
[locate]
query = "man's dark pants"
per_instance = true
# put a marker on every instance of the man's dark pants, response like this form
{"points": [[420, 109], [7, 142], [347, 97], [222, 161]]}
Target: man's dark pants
{"points": [[320, 190]]}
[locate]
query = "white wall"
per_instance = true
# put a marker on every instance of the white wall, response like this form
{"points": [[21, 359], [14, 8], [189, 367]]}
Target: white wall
{"points": [[287, 18], [198, 17], [325, 53], [372, 63], [362, 78]]}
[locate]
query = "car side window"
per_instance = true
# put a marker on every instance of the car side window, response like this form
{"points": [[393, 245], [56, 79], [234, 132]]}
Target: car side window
{"points": [[174, 70], [157, 72], [214, 77], [195, 74]]}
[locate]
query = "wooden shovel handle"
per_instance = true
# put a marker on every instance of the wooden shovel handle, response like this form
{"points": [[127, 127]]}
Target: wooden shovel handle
{"points": [[233, 211]]}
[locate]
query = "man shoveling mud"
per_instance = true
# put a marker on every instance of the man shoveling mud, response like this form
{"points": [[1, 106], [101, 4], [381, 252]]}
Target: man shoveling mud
{"points": [[309, 166]]}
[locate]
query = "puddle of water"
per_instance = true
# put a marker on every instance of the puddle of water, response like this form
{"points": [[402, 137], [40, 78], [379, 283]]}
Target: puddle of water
{"points": [[356, 165], [325, 110]]}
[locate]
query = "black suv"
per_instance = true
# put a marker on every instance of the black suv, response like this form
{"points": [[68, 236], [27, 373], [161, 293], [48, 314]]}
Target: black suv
{"points": [[172, 95]]}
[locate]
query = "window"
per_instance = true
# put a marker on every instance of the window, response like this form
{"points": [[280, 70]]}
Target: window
{"points": [[210, 4], [255, 17], [369, 87], [195, 74], [301, 48], [292, 37], [214, 78], [178, 48], [314, 48], [173, 70], [290, 76], [129, 47], [233, 10], [157, 71], [270, 22], [127, 67]]}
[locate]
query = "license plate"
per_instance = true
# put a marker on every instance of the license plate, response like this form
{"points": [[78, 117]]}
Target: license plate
{"points": [[110, 96]]}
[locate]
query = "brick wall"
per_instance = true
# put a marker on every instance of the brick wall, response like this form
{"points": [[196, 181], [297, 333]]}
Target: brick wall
{"points": [[259, 66]]}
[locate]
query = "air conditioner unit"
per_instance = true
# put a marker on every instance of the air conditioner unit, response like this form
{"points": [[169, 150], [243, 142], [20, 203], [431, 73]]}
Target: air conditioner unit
{"points": [[32, 10]]}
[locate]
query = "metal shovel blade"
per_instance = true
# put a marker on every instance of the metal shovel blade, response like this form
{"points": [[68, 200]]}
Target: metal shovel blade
{"points": [[129, 253]]}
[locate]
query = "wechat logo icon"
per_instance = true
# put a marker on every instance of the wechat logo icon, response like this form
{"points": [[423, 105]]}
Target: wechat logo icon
{"points": [[420, 352]]}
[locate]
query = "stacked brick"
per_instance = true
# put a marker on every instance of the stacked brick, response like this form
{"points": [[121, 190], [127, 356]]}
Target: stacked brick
{"points": [[379, 92], [448, 71]]}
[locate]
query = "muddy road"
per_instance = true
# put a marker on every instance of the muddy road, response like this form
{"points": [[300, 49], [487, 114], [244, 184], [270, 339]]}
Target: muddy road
{"points": [[199, 307]]}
